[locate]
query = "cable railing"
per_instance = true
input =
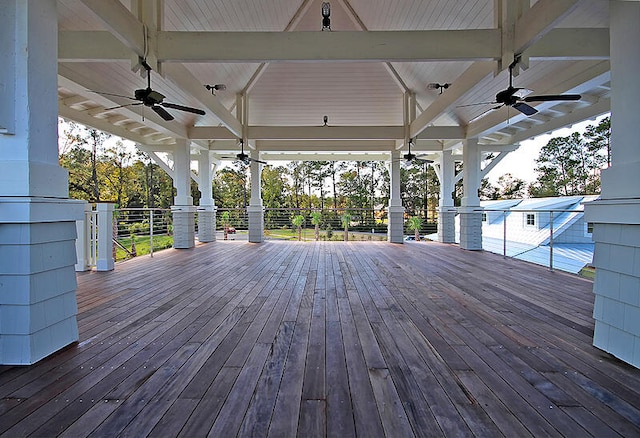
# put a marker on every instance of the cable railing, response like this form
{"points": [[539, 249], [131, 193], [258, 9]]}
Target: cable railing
{"points": [[138, 231], [531, 225], [280, 223]]}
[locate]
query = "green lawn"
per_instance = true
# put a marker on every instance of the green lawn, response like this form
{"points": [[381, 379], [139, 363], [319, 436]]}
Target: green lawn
{"points": [[309, 234], [142, 245]]}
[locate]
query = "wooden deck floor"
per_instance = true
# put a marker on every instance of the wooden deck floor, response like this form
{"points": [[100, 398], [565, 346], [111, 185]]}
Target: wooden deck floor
{"points": [[332, 339]]}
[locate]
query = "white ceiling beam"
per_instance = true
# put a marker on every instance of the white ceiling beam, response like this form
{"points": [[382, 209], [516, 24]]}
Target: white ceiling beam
{"points": [[120, 21], [321, 156], [468, 79], [325, 132], [325, 146], [572, 44], [480, 44], [179, 75], [210, 132], [90, 46], [536, 21], [103, 46]]}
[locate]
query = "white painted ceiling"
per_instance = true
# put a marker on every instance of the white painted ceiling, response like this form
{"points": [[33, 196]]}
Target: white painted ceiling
{"points": [[273, 57]]}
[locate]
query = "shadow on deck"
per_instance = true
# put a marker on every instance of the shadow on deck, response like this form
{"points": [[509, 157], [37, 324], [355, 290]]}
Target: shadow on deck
{"points": [[327, 339]]}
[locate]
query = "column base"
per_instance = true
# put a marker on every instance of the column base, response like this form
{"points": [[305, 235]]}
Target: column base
{"points": [[395, 228], [184, 226], [207, 223], [471, 228], [447, 225], [616, 287], [256, 223], [37, 277]]}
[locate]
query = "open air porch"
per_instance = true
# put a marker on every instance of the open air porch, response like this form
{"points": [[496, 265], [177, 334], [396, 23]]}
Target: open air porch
{"points": [[327, 339]]}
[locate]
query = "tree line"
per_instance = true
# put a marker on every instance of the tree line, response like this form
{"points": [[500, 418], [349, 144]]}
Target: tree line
{"points": [[101, 169]]}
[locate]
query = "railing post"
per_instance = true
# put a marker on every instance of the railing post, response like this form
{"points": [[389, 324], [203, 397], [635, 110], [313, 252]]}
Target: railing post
{"points": [[83, 240], [504, 233], [551, 240], [105, 260], [151, 232]]}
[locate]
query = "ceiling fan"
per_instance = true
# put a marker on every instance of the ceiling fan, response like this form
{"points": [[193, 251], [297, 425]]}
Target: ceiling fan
{"points": [[510, 97], [245, 158], [153, 99], [413, 158]]}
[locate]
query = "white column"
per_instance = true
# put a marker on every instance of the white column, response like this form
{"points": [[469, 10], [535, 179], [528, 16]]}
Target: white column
{"points": [[183, 210], [37, 220], [616, 216], [395, 229], [255, 210], [105, 260], [446, 210], [207, 207], [470, 211]]}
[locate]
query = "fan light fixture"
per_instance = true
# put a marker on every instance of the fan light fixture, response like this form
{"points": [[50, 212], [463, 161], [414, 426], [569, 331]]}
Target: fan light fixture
{"points": [[326, 13], [436, 86], [216, 87]]}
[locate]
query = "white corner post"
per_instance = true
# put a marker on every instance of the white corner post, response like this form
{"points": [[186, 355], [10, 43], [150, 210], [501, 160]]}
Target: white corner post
{"points": [[83, 241], [616, 216], [183, 210], [104, 261], [470, 211], [446, 210], [37, 220], [255, 209], [395, 228], [207, 207]]}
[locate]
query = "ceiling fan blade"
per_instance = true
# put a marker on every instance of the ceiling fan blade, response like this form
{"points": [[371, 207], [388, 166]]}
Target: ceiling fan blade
{"points": [[183, 108], [422, 161], [524, 108], [113, 94], [162, 113], [476, 104], [552, 97], [257, 161], [122, 106]]}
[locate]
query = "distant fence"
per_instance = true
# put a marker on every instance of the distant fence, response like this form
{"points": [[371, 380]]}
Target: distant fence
{"points": [[140, 231], [279, 220]]}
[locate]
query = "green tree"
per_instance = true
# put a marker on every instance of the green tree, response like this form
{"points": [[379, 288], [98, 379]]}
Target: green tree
{"points": [[297, 221], [598, 139], [316, 218], [415, 224], [566, 167], [510, 187], [346, 221]]}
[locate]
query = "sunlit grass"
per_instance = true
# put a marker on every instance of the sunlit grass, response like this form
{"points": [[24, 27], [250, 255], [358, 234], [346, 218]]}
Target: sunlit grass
{"points": [[142, 245]]}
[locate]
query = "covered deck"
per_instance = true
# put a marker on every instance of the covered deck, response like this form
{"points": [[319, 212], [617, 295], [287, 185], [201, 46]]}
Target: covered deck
{"points": [[327, 339]]}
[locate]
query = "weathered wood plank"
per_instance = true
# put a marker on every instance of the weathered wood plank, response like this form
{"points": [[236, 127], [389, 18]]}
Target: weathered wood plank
{"points": [[327, 339]]}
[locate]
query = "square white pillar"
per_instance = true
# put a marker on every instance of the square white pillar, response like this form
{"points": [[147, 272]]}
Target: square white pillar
{"points": [[207, 223], [616, 216], [184, 226], [446, 224], [105, 261]]}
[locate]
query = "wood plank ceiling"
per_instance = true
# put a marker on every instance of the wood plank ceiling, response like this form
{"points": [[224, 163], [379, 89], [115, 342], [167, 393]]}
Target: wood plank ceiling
{"points": [[349, 76]]}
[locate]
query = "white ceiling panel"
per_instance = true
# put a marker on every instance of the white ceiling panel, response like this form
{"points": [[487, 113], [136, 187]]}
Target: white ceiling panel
{"points": [[350, 93]]}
